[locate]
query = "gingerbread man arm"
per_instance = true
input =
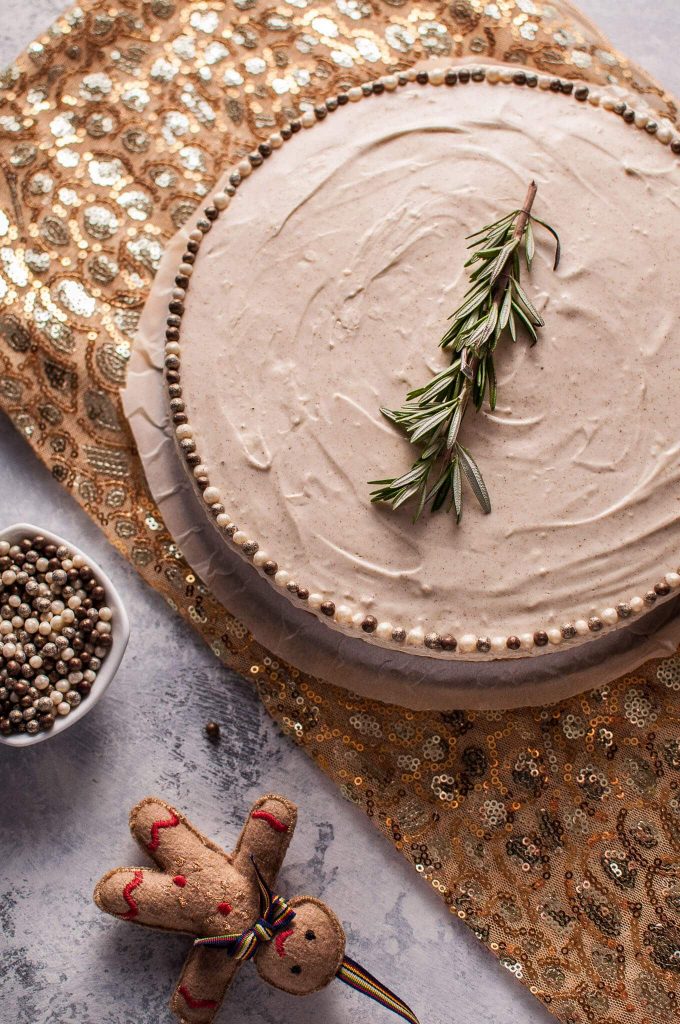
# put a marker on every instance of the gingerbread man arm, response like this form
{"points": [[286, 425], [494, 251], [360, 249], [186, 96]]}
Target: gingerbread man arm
{"points": [[266, 836], [168, 837], [205, 978]]}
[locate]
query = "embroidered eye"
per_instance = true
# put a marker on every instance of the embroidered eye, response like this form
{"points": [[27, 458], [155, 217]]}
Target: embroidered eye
{"points": [[309, 935], [296, 969]]}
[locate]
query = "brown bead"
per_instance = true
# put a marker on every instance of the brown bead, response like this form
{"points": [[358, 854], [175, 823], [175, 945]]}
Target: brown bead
{"points": [[582, 93], [303, 593], [265, 149], [650, 597], [540, 638], [448, 642], [520, 78], [327, 608], [270, 568], [422, 78], [568, 632], [595, 624], [513, 643], [370, 623], [675, 146], [662, 589], [213, 731], [343, 99], [629, 116], [451, 78], [624, 610], [483, 644], [433, 641], [464, 76], [398, 635]]}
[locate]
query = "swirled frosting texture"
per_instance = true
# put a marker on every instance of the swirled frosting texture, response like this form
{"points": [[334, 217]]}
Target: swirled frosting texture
{"points": [[321, 294]]}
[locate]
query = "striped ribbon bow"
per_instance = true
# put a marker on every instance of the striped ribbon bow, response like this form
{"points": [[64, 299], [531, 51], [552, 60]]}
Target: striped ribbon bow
{"points": [[275, 914]]}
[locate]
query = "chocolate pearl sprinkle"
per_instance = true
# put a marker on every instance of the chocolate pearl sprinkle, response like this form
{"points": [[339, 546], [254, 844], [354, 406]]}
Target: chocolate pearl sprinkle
{"points": [[47, 658], [448, 642], [540, 638], [327, 608], [370, 624], [270, 568], [513, 643]]}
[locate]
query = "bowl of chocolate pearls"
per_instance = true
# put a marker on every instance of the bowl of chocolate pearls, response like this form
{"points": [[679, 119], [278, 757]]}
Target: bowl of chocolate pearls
{"points": [[63, 632]]}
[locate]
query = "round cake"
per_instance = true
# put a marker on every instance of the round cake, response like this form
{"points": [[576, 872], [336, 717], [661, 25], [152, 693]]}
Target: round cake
{"points": [[315, 292]]}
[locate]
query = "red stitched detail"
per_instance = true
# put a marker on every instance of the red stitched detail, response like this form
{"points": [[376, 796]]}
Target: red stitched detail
{"points": [[280, 940], [170, 822], [277, 825], [129, 898], [180, 880], [196, 1004], [224, 908]]}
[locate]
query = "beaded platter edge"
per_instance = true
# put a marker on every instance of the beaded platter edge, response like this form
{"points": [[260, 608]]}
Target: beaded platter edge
{"points": [[341, 617]]}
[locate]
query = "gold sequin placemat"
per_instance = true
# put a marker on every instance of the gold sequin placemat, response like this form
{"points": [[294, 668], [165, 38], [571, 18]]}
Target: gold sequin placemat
{"points": [[553, 833]]}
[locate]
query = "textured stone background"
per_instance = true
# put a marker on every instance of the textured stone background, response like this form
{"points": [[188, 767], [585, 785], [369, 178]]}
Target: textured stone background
{"points": [[64, 803]]}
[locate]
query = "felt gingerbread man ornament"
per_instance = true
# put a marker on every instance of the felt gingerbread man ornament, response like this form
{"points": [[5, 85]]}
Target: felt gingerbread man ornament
{"points": [[226, 902]]}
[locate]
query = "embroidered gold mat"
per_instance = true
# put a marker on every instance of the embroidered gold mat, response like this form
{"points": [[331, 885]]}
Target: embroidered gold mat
{"points": [[553, 833]]}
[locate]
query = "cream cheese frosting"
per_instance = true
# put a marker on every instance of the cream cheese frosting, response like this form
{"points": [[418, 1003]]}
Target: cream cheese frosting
{"points": [[320, 294]]}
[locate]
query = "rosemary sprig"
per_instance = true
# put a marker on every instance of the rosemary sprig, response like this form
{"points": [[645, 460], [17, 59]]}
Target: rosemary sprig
{"points": [[494, 305]]}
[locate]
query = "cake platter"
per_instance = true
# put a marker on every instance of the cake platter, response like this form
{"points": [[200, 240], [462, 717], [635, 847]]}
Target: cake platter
{"points": [[353, 227]]}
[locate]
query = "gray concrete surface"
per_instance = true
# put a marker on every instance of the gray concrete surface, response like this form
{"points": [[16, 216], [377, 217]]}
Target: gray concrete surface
{"points": [[64, 803]]}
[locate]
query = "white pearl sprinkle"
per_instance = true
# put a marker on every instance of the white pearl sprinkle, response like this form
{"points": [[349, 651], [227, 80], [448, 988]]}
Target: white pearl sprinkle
{"points": [[259, 558], [308, 119], [526, 641], [315, 601], [415, 637], [357, 619], [608, 103], [222, 520], [211, 495], [507, 75], [183, 431], [281, 578], [384, 630], [186, 269], [581, 627], [240, 538], [354, 94], [172, 348], [195, 236], [498, 644], [554, 636], [641, 120], [493, 76], [467, 643], [609, 616], [637, 604], [664, 135], [343, 614], [275, 140], [543, 82], [201, 470], [411, 74], [594, 98], [437, 76], [245, 168], [390, 82], [220, 200], [673, 579]]}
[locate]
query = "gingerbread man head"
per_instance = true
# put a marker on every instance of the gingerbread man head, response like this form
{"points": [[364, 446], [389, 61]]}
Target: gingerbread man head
{"points": [[226, 901]]}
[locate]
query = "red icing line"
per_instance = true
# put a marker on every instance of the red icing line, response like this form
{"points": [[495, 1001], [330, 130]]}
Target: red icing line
{"points": [[196, 1004], [277, 825], [224, 908], [280, 940], [170, 822], [129, 898], [180, 880]]}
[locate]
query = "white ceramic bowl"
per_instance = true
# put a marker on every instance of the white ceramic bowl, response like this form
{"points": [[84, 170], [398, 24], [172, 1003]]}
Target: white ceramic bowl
{"points": [[120, 634]]}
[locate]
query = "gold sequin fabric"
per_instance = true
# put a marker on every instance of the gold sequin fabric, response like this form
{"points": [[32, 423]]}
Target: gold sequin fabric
{"points": [[553, 833]]}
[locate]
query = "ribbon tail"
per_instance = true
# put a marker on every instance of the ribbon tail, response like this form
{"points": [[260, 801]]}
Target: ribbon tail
{"points": [[357, 977]]}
